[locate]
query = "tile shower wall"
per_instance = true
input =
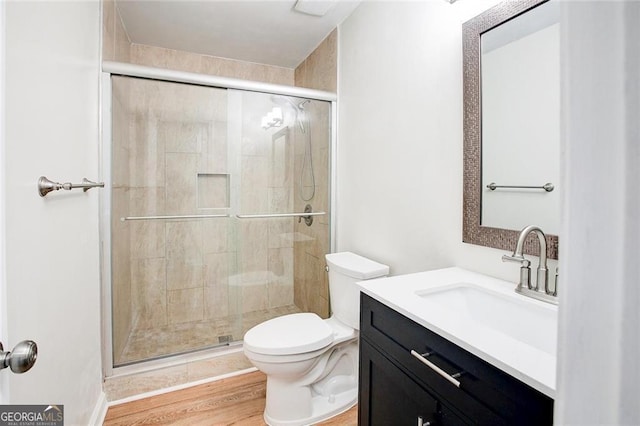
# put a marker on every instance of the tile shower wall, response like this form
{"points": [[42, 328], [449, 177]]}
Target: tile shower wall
{"points": [[318, 71]]}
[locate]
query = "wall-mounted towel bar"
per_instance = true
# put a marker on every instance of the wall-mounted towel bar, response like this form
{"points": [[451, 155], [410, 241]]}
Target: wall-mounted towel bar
{"points": [[45, 185], [187, 216], [547, 186]]}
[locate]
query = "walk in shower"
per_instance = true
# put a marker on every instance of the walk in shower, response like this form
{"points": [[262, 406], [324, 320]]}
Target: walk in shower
{"points": [[218, 213]]}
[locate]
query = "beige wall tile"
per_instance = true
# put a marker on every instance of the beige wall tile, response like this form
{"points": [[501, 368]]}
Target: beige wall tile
{"points": [[122, 45], [181, 188], [280, 287], [254, 197], [254, 297], [216, 267], [319, 70], [183, 274], [108, 30], [147, 239], [213, 157], [184, 241], [192, 62], [183, 136], [281, 232], [281, 265], [216, 301], [147, 160], [185, 305], [148, 280], [253, 245], [147, 201], [216, 233]]}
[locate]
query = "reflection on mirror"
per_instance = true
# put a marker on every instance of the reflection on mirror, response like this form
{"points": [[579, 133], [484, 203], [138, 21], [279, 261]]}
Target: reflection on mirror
{"points": [[512, 124], [520, 86]]}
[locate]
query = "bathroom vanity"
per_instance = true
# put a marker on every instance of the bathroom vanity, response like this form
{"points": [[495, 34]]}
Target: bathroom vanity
{"points": [[428, 357]]}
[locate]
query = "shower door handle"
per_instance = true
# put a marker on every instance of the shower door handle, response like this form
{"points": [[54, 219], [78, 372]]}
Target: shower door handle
{"points": [[275, 215]]}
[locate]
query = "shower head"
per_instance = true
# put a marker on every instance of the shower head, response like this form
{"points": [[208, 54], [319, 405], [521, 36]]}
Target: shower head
{"points": [[303, 103], [285, 101]]}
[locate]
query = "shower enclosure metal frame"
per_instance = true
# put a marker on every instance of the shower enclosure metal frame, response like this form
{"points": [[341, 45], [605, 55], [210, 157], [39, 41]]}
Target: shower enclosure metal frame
{"points": [[110, 69]]}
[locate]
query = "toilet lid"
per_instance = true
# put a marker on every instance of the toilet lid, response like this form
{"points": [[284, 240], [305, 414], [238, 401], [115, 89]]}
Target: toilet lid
{"points": [[289, 334]]}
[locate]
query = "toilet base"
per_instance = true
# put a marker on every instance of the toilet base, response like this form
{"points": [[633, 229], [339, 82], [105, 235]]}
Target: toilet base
{"points": [[323, 409]]}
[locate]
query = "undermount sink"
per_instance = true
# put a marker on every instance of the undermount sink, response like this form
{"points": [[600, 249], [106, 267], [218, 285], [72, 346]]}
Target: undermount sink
{"points": [[512, 315]]}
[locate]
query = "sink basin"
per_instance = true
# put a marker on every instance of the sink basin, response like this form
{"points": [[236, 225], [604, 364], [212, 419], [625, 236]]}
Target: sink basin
{"points": [[512, 315]]}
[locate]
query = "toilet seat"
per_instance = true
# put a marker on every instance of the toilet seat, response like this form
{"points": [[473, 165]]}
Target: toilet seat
{"points": [[289, 335]]}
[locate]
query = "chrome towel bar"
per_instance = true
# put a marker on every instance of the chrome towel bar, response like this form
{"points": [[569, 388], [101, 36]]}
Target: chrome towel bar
{"points": [[273, 215], [547, 186], [187, 216], [45, 185]]}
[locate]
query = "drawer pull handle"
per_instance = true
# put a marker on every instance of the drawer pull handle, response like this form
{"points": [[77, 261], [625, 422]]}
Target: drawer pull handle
{"points": [[421, 422], [435, 368]]}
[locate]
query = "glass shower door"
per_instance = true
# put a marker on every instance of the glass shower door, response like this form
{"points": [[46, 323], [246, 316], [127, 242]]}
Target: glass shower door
{"points": [[172, 237], [283, 168]]}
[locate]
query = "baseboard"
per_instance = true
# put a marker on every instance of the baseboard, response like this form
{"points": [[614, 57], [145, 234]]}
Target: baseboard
{"points": [[100, 411]]}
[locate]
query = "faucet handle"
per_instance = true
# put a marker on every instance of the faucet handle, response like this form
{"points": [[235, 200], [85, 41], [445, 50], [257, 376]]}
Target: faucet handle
{"points": [[555, 286], [516, 258], [525, 270]]}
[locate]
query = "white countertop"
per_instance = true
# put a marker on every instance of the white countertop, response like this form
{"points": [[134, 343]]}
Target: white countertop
{"points": [[527, 363]]}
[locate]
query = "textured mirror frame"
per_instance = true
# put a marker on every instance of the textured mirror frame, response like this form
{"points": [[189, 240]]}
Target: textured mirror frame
{"points": [[472, 230]]}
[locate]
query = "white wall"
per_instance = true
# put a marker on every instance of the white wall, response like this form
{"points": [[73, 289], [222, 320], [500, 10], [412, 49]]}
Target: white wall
{"points": [[400, 137], [4, 379], [52, 245], [599, 324]]}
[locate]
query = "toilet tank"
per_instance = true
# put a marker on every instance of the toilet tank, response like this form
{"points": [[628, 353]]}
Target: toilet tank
{"points": [[345, 269]]}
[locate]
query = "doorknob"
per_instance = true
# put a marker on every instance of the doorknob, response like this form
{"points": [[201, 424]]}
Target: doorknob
{"points": [[21, 359]]}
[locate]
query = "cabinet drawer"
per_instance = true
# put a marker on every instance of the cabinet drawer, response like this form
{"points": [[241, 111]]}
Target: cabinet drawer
{"points": [[486, 394], [380, 382]]}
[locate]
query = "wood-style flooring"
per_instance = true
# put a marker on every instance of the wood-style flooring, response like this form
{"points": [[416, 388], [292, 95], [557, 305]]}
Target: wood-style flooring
{"points": [[237, 400]]}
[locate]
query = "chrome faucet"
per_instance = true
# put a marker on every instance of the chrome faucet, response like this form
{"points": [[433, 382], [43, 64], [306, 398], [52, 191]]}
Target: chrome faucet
{"points": [[525, 286]]}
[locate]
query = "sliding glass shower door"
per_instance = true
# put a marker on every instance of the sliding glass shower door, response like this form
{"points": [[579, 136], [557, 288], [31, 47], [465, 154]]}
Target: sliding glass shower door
{"points": [[205, 240]]}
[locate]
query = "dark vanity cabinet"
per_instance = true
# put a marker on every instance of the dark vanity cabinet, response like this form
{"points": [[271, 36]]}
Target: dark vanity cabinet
{"points": [[397, 388]]}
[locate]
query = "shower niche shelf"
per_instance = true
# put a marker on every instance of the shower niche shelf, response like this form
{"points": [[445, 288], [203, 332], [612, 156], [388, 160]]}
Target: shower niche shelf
{"points": [[213, 190]]}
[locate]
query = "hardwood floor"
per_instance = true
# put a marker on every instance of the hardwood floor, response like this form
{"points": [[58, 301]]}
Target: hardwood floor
{"points": [[234, 401]]}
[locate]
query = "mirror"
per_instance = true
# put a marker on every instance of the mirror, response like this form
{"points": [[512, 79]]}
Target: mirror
{"points": [[512, 125]]}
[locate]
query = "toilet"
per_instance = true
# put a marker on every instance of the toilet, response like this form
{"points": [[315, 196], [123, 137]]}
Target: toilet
{"points": [[312, 364]]}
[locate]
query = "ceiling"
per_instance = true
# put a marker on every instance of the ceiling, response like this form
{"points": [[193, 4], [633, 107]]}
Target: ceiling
{"points": [[267, 32]]}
